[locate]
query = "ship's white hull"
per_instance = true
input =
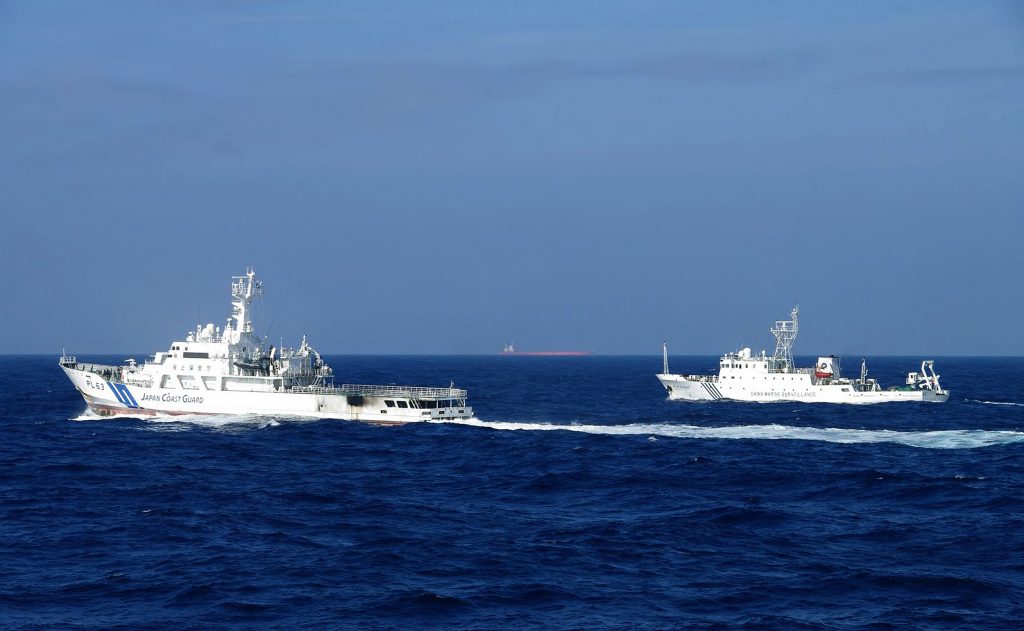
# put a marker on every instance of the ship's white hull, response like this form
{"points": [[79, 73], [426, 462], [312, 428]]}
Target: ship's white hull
{"points": [[106, 398], [798, 388]]}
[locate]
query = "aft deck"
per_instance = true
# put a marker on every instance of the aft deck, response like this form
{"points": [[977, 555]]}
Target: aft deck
{"points": [[396, 392]]}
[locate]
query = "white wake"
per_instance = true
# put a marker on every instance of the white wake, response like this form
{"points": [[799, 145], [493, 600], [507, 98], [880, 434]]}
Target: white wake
{"points": [[180, 422], [997, 402], [937, 439]]}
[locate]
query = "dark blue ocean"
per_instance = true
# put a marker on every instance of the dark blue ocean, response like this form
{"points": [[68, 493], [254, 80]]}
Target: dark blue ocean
{"points": [[582, 499]]}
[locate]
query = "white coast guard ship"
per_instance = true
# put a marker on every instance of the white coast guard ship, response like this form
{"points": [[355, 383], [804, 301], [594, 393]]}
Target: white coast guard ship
{"points": [[743, 376], [233, 371]]}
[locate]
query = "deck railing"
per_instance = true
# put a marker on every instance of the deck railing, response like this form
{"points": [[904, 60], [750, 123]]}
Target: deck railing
{"points": [[403, 392], [106, 371]]}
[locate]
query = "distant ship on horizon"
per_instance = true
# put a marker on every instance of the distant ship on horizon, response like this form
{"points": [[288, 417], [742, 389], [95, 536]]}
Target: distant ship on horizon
{"points": [[510, 349]]}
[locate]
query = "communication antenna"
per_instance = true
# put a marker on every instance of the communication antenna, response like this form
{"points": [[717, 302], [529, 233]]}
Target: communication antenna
{"points": [[664, 353], [785, 334]]}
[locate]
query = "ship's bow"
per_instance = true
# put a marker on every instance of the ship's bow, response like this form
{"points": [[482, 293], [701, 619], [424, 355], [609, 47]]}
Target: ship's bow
{"points": [[681, 388]]}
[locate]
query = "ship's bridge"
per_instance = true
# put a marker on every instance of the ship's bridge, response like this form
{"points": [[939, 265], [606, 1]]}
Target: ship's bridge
{"points": [[743, 362]]}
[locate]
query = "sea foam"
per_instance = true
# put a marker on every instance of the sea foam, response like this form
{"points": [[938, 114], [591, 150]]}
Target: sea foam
{"points": [[936, 439]]}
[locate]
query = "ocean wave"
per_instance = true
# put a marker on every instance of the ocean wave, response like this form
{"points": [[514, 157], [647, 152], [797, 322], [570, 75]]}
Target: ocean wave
{"points": [[936, 439], [997, 402]]}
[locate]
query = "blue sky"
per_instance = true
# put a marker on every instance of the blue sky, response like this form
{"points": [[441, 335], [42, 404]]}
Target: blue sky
{"points": [[446, 177]]}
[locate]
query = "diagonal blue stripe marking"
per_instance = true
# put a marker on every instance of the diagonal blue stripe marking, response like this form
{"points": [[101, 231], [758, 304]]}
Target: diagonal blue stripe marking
{"points": [[117, 392], [129, 399]]}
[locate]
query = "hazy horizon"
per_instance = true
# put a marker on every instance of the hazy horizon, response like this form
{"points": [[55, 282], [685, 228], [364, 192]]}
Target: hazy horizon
{"points": [[446, 178], [798, 357]]}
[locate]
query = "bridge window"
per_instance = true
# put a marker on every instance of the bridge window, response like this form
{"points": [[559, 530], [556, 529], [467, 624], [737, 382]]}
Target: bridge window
{"points": [[403, 404], [389, 403]]}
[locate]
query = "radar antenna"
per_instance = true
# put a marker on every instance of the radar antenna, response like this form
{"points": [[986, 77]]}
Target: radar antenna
{"points": [[785, 334], [243, 288]]}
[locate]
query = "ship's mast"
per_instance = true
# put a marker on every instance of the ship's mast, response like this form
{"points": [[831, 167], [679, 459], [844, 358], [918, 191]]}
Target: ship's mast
{"points": [[243, 288], [785, 334]]}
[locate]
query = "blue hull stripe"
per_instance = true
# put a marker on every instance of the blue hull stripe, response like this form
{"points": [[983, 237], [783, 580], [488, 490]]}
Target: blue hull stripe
{"points": [[117, 392], [123, 394], [128, 396]]}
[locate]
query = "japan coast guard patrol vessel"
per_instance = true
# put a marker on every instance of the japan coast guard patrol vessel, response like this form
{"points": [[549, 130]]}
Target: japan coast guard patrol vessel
{"points": [[232, 371], [746, 377]]}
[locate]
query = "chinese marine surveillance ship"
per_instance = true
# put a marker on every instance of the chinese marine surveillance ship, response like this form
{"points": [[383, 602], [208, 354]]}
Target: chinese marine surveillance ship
{"points": [[743, 376], [233, 371]]}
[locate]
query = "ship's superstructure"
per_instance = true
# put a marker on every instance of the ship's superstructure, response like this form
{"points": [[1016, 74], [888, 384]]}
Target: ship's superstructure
{"points": [[744, 376], [234, 371]]}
